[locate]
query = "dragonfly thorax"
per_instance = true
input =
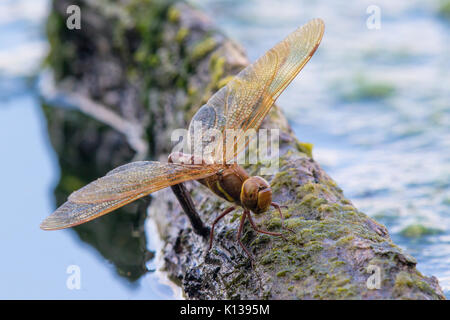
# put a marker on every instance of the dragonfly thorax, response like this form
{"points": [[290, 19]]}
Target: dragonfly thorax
{"points": [[235, 185]]}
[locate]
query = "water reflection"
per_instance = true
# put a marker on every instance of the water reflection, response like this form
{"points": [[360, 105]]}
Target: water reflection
{"points": [[120, 237]]}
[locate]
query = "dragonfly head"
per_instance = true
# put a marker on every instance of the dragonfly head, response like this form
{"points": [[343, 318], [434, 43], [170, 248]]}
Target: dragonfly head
{"points": [[256, 195]]}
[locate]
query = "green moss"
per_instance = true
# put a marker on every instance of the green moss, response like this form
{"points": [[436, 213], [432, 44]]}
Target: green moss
{"points": [[294, 223], [418, 230], [308, 188], [236, 216], [216, 67], [306, 233], [345, 240], [327, 209], [192, 91], [412, 285], [338, 264], [239, 278], [342, 282], [268, 258], [280, 179], [282, 273], [274, 223], [173, 14], [261, 239], [346, 201], [203, 47], [314, 246], [312, 201], [305, 147], [348, 208], [181, 34], [299, 275], [425, 287], [224, 81], [403, 279], [335, 286]]}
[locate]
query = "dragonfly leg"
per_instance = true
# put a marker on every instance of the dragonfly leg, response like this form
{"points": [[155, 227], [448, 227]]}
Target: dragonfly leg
{"points": [[252, 223], [238, 236], [223, 214], [185, 200], [278, 207]]}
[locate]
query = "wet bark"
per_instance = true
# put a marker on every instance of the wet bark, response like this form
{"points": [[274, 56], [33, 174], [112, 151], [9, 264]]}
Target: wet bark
{"points": [[136, 71]]}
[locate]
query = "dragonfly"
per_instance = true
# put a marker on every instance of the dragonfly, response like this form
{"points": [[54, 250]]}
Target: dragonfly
{"points": [[240, 105]]}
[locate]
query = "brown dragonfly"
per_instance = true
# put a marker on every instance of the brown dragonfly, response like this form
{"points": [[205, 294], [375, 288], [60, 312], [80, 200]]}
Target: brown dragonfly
{"points": [[241, 105]]}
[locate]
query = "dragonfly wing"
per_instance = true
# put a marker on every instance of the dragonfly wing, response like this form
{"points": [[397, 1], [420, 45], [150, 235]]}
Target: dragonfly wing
{"points": [[139, 177], [121, 186], [71, 214], [244, 102]]}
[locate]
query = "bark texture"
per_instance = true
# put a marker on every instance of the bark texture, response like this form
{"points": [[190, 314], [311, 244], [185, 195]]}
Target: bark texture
{"points": [[135, 71]]}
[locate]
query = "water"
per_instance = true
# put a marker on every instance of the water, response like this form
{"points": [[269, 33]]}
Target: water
{"points": [[375, 103]]}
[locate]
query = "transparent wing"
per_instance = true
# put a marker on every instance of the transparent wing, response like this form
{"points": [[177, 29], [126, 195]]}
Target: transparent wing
{"points": [[139, 177], [121, 186], [71, 214], [244, 102]]}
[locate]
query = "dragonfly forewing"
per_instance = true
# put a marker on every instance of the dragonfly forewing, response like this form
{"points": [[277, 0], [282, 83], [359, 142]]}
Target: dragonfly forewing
{"points": [[244, 102]]}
